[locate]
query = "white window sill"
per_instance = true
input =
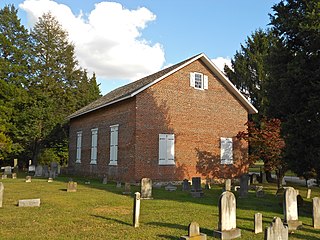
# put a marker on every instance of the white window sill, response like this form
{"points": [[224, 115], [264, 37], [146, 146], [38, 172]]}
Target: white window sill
{"points": [[93, 163], [78, 161], [167, 164], [113, 164]]}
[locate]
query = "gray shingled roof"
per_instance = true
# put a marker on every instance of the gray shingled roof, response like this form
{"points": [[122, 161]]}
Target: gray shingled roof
{"points": [[126, 90]]}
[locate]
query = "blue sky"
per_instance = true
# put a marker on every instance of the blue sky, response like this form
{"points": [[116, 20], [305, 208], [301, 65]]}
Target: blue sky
{"points": [[122, 41]]}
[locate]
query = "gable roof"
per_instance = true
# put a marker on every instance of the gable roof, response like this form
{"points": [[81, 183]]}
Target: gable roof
{"points": [[132, 89]]}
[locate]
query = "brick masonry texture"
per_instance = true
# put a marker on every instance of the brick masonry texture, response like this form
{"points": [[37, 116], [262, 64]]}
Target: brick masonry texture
{"points": [[197, 118]]}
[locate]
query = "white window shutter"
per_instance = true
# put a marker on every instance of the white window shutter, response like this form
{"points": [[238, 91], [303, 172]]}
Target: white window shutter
{"points": [[79, 139], [162, 149], [170, 148], [226, 151], [192, 79], [94, 144], [113, 145], [205, 82]]}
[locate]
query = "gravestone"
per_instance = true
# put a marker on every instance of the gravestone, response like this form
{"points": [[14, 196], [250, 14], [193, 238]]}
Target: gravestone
{"points": [[52, 173], [54, 168], [227, 185], [38, 172], [146, 188], [185, 185], [1, 193], [105, 180], [316, 212], [227, 226], [309, 193], [28, 178], [127, 189], [196, 189], [15, 163], [170, 187], [290, 208], [283, 182], [4, 176], [194, 233], [136, 209], [45, 171], [259, 192], [72, 186], [14, 175], [118, 185], [29, 203], [244, 185], [276, 231], [7, 170], [254, 179], [258, 223], [32, 168], [263, 177], [50, 180]]}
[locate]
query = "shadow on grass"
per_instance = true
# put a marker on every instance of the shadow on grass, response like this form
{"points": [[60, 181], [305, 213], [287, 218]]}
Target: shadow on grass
{"points": [[112, 219], [178, 226]]}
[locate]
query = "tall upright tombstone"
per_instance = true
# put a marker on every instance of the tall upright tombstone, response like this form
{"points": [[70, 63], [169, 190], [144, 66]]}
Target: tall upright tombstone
{"points": [[244, 179], [257, 223], [316, 212], [1, 193], [185, 185], [136, 209], [276, 231], [290, 208], [227, 185], [196, 189], [146, 188], [227, 225]]}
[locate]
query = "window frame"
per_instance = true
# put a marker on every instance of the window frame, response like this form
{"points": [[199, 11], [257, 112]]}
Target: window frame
{"points": [[226, 150], [166, 149], [194, 82], [94, 146], [78, 146], [114, 142]]}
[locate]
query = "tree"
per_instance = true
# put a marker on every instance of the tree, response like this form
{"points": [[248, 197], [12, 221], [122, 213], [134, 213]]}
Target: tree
{"points": [[267, 145], [249, 72], [57, 86], [15, 62], [293, 90]]}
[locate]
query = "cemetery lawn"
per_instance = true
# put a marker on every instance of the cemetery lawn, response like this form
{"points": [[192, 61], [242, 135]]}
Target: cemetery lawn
{"points": [[98, 211]]}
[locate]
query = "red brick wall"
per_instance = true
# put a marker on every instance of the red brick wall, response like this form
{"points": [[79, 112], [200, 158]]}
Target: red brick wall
{"points": [[198, 118], [122, 113]]}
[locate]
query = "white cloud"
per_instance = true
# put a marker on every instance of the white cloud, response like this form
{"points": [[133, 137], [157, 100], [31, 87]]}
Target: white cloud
{"points": [[220, 62], [109, 41]]}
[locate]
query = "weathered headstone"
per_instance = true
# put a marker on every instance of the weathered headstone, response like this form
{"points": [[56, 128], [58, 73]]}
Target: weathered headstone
{"points": [[54, 168], [72, 186], [244, 185], [236, 188], [227, 226], [1, 193], [170, 187], [258, 223], [38, 172], [259, 192], [283, 182], [45, 171], [50, 180], [136, 209], [146, 188], [28, 178], [316, 212], [263, 177], [7, 170], [32, 168], [118, 185], [254, 179], [105, 180], [14, 175], [309, 193], [194, 233], [290, 208], [52, 173], [276, 231], [127, 189], [4, 176], [196, 189], [29, 203], [227, 185], [185, 185]]}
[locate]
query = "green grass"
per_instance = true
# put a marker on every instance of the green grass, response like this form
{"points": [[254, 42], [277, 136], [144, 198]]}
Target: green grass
{"points": [[98, 211]]}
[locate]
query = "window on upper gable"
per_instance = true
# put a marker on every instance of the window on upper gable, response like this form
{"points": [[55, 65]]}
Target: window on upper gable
{"points": [[198, 80]]}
